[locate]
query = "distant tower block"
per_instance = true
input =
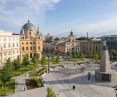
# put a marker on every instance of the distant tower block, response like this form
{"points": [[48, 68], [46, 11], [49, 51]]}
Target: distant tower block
{"points": [[87, 34]]}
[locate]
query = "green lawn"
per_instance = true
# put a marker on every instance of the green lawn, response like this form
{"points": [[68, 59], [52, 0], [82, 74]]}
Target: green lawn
{"points": [[50, 62], [23, 69], [73, 59], [9, 88]]}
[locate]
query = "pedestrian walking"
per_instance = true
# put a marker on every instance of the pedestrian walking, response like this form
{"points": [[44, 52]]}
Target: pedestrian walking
{"points": [[89, 75], [73, 87]]}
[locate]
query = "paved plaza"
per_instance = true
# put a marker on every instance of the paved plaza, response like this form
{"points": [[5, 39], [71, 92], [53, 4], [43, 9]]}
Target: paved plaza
{"points": [[62, 83]]}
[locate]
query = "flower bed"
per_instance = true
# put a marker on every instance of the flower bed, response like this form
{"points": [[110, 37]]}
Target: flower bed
{"points": [[42, 71], [37, 81]]}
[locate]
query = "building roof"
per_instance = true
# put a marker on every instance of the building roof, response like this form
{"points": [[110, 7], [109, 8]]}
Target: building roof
{"points": [[90, 41], [28, 26], [55, 43], [62, 44]]}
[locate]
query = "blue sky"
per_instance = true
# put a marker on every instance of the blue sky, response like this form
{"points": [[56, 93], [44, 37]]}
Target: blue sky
{"points": [[57, 17]]}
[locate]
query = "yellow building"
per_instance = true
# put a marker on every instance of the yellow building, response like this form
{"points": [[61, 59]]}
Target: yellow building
{"points": [[30, 41], [93, 46]]}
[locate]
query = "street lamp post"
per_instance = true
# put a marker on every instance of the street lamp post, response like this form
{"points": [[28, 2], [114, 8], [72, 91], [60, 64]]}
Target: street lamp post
{"points": [[115, 88], [48, 55]]}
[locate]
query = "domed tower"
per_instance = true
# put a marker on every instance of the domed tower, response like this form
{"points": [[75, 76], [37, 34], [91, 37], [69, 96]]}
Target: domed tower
{"points": [[30, 41], [71, 37]]}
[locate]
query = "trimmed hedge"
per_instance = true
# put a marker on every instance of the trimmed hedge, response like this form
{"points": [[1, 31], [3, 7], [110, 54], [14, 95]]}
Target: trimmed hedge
{"points": [[41, 72], [57, 65], [37, 81]]}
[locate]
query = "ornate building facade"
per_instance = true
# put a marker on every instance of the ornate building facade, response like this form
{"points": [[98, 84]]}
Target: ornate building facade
{"points": [[61, 48], [9, 46], [30, 41]]}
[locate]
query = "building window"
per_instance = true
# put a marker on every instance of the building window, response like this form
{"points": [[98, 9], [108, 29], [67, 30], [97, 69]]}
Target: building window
{"points": [[39, 48], [38, 43], [4, 38], [26, 42], [4, 59], [4, 45], [17, 38], [30, 38], [13, 44], [13, 39], [33, 42], [33, 48], [29, 33], [72, 48], [9, 53], [76, 48], [13, 57], [17, 44], [30, 42], [30, 48], [9, 39], [9, 45], [13, 52], [4, 53], [39, 37], [22, 48], [23, 37], [26, 48], [17, 51], [56, 47], [22, 43], [22, 55]]}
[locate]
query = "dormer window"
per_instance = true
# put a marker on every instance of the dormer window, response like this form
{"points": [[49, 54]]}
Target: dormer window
{"points": [[29, 33]]}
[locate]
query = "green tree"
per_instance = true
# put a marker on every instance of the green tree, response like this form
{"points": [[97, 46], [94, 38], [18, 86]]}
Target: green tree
{"points": [[33, 75], [111, 56], [18, 59], [58, 59], [95, 57], [50, 93], [53, 57], [84, 38], [35, 61], [16, 65], [43, 61], [48, 55], [81, 56], [37, 56], [26, 60], [6, 72], [89, 54], [114, 53], [56, 39], [74, 55], [100, 55], [68, 53]]}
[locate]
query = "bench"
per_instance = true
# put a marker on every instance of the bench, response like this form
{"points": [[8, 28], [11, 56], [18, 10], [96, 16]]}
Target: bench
{"points": [[8, 93]]}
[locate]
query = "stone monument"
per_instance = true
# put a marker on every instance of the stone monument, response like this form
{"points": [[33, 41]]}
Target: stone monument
{"points": [[105, 73]]}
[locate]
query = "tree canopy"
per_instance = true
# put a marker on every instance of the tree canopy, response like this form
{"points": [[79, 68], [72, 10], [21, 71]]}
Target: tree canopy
{"points": [[68, 53], [111, 56], [84, 38], [58, 59], [43, 61], [37, 56], [81, 55], [95, 56], [50, 93], [56, 39], [26, 60], [74, 55], [89, 54]]}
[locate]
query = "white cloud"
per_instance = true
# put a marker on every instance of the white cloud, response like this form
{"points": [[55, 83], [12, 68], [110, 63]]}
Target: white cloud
{"points": [[101, 27], [15, 12]]}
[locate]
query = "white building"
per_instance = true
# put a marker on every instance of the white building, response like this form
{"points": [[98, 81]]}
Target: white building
{"points": [[9, 46]]}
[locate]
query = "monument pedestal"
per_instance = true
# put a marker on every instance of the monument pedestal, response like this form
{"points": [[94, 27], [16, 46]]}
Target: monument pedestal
{"points": [[105, 76]]}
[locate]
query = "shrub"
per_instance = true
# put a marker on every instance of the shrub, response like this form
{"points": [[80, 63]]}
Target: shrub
{"points": [[41, 72], [37, 81]]}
